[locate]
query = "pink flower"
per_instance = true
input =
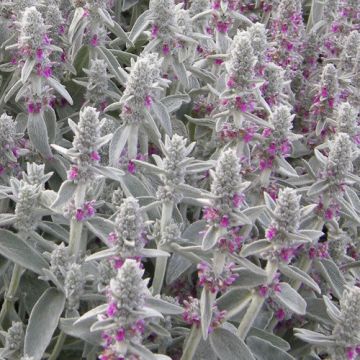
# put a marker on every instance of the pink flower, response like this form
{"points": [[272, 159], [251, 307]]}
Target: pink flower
{"points": [[154, 31], [148, 101], [39, 54], [94, 40], [46, 40], [350, 353], [139, 326], [248, 136], [165, 49], [111, 309], [89, 208], [324, 92], [73, 173], [210, 214], [285, 148], [222, 26], [280, 314], [47, 72], [270, 233], [131, 167], [95, 156], [263, 290], [272, 149], [79, 215], [286, 254], [15, 152], [118, 263], [2, 170], [238, 199], [224, 222], [120, 335], [231, 83], [329, 214], [34, 108], [267, 132], [112, 238]]}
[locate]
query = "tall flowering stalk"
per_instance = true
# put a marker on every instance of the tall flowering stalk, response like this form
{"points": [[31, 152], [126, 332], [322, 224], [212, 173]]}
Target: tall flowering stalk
{"points": [[343, 343], [36, 83], [85, 167], [287, 30], [138, 104]]}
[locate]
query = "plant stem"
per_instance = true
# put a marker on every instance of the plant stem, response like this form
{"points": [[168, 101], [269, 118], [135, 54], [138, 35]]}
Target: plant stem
{"points": [[76, 227], [256, 304], [191, 343], [9, 297], [58, 346], [161, 261]]}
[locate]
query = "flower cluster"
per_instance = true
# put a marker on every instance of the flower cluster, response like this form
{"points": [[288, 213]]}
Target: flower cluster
{"points": [[128, 237], [227, 188], [126, 299], [191, 314], [216, 282], [347, 329]]}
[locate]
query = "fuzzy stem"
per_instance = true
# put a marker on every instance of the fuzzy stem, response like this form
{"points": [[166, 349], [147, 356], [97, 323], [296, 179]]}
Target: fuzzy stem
{"points": [[191, 343], [58, 346], [256, 304], [161, 261], [9, 297], [76, 227]]}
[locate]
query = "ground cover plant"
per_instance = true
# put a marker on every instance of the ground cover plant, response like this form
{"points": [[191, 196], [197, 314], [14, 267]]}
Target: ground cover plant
{"points": [[179, 180]]}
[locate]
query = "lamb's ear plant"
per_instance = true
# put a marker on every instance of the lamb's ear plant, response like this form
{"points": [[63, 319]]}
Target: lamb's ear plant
{"points": [[179, 179]]}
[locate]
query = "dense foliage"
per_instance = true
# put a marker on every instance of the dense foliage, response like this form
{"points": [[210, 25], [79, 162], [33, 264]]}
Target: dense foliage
{"points": [[179, 180]]}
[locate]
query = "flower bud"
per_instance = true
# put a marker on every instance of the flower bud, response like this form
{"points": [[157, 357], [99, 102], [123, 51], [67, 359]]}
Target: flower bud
{"points": [[88, 135], [346, 332], [348, 55], [27, 201], [32, 30], [14, 337], [241, 66], [97, 83], [74, 286], [339, 159], [287, 211], [128, 237]]}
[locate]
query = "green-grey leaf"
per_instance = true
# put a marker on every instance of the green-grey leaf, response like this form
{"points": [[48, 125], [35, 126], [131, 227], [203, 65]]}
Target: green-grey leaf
{"points": [[43, 321], [18, 251], [228, 346]]}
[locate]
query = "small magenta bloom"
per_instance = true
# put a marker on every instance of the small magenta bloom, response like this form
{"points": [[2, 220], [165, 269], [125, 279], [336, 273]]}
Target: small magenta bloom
{"points": [[120, 335], [280, 314], [95, 156], [154, 31], [224, 222], [267, 132], [148, 102], [79, 215], [238, 199], [39, 54], [73, 173], [210, 214], [94, 41], [165, 49], [34, 108], [222, 26], [131, 167], [271, 233], [111, 309], [89, 208], [263, 290]]}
